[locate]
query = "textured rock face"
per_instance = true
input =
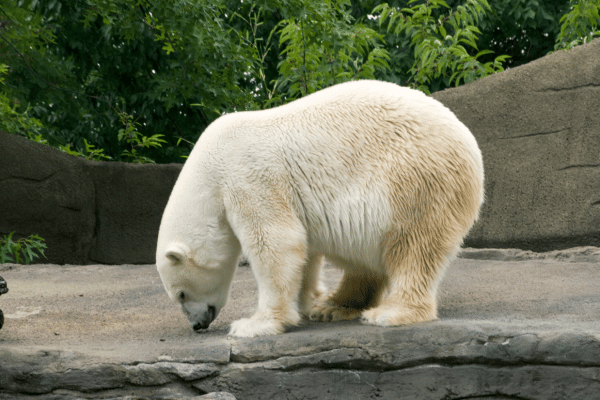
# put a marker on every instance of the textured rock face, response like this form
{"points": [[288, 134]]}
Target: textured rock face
{"points": [[47, 192], [130, 200], [538, 127], [86, 211], [449, 360]]}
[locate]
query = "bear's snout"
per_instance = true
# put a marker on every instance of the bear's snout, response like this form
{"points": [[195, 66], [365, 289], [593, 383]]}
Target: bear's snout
{"points": [[205, 320]]}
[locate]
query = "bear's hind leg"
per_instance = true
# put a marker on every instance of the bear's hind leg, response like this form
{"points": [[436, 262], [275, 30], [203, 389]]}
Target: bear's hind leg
{"points": [[313, 289], [355, 293], [414, 271]]}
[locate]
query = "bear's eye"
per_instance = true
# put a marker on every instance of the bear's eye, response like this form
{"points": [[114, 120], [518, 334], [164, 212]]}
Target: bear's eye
{"points": [[181, 296]]}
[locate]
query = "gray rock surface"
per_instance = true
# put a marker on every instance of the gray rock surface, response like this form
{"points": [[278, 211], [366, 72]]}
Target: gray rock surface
{"points": [[513, 325], [538, 127]]}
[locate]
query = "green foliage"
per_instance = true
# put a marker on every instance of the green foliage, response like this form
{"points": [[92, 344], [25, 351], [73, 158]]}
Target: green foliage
{"points": [[524, 29], [249, 29], [97, 60], [91, 152], [317, 45], [11, 120], [136, 140], [21, 251], [580, 25], [440, 41], [322, 47]]}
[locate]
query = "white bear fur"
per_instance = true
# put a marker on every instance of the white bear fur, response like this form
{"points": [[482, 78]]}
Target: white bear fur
{"points": [[381, 180]]}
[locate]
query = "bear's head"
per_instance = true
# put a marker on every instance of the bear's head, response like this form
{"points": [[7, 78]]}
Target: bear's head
{"points": [[200, 284]]}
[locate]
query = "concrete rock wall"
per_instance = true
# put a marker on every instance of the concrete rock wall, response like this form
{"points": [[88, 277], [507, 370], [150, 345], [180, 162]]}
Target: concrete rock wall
{"points": [[538, 126], [88, 212]]}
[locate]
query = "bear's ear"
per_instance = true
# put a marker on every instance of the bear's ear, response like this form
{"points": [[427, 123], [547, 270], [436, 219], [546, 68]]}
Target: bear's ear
{"points": [[176, 253]]}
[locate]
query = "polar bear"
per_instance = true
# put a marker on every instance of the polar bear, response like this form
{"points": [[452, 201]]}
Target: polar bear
{"points": [[381, 180]]}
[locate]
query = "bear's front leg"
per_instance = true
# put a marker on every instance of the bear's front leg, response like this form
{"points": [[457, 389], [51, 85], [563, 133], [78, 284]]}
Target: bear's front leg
{"points": [[275, 243], [279, 282]]}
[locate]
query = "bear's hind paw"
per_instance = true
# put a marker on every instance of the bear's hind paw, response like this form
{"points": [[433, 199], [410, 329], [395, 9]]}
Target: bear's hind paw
{"points": [[329, 312]]}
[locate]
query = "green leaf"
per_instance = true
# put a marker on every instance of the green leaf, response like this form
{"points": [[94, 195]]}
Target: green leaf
{"points": [[442, 30], [22, 250]]}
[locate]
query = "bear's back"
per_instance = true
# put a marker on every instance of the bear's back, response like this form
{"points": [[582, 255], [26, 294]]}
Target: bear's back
{"points": [[350, 156], [352, 114]]}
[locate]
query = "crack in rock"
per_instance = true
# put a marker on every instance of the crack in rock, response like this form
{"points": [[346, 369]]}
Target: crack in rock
{"points": [[577, 166], [29, 179], [534, 134], [574, 88]]}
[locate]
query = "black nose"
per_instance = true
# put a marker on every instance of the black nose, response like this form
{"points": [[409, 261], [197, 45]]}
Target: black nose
{"points": [[198, 326], [209, 317]]}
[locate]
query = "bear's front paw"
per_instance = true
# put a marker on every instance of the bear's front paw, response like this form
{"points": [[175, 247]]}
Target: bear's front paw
{"points": [[396, 316], [330, 312], [250, 327]]}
